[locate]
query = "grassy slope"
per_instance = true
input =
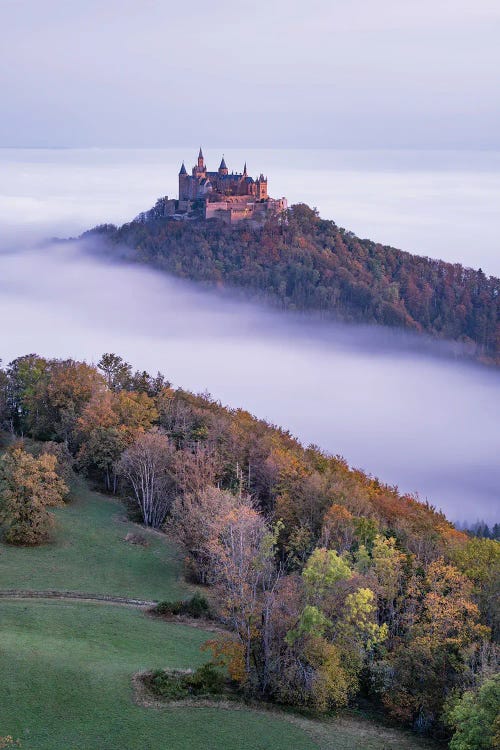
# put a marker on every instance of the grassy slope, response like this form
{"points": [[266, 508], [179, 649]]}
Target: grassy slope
{"points": [[66, 666], [90, 555], [66, 671]]}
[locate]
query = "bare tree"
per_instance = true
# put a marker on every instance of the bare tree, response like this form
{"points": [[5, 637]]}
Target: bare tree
{"points": [[146, 465], [197, 519], [244, 568]]}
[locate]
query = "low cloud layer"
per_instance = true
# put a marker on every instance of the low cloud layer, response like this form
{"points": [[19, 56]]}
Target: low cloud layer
{"points": [[414, 418]]}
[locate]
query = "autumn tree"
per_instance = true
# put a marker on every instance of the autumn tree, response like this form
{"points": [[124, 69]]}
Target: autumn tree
{"points": [[67, 387], [388, 571], [109, 423], [243, 566], [338, 528], [479, 560], [335, 630], [197, 519], [28, 488], [432, 658], [117, 372], [147, 468]]}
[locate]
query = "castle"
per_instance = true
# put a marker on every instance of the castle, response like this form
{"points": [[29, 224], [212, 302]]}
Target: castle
{"points": [[217, 195], [227, 196]]}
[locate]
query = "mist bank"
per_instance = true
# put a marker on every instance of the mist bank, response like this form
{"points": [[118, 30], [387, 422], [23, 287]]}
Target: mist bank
{"points": [[413, 417]]}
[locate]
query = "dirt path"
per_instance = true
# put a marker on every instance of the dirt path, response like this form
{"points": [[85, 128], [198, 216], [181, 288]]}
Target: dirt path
{"points": [[74, 596]]}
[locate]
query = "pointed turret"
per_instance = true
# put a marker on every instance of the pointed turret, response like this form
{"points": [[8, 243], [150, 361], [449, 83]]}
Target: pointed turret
{"points": [[183, 183], [201, 161], [223, 167]]}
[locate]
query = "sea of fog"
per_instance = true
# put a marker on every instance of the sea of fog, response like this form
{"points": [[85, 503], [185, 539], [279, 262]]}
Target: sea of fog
{"points": [[405, 412]]}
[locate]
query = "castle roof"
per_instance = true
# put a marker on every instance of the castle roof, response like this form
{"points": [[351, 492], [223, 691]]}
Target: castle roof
{"points": [[200, 155], [183, 169], [223, 164]]}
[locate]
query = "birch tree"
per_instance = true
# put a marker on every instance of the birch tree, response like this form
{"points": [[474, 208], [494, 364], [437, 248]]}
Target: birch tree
{"points": [[146, 466]]}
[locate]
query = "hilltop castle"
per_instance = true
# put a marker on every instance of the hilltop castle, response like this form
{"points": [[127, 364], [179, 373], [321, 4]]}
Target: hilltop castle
{"points": [[229, 197], [224, 195]]}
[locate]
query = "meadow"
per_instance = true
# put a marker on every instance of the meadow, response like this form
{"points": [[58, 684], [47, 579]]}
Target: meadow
{"points": [[89, 555], [67, 666]]}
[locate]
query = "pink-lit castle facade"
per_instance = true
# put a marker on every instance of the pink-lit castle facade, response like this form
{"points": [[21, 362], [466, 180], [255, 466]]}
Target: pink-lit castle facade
{"points": [[224, 195]]}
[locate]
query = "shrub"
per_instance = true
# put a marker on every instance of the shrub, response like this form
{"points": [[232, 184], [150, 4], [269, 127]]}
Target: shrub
{"points": [[206, 679], [197, 606], [174, 684], [171, 685]]}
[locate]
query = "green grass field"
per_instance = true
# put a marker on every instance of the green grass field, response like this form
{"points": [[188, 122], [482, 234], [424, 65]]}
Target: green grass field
{"points": [[66, 683], [90, 555], [67, 666]]}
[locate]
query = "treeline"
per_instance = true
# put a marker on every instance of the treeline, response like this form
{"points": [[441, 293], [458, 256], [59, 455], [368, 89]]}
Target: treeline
{"points": [[332, 585], [481, 529], [306, 263]]}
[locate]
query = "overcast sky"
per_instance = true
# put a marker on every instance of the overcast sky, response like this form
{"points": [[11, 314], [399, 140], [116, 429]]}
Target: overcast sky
{"points": [[336, 73]]}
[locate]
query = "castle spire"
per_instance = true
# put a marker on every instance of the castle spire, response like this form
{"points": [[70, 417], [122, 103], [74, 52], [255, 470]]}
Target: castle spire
{"points": [[183, 169], [223, 167], [200, 155], [201, 161]]}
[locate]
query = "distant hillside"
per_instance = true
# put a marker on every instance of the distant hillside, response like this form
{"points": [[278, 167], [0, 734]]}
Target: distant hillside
{"points": [[308, 263]]}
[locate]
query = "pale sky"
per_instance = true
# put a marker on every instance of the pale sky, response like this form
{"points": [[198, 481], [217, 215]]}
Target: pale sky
{"points": [[324, 73]]}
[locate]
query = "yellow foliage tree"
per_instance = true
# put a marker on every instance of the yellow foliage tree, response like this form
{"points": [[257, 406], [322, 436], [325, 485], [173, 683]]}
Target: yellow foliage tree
{"points": [[28, 487]]}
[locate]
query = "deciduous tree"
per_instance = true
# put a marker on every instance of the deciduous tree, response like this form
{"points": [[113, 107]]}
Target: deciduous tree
{"points": [[147, 467], [28, 488]]}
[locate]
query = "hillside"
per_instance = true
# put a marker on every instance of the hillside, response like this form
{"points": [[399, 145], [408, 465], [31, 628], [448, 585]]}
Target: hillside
{"points": [[310, 264], [329, 589], [67, 666]]}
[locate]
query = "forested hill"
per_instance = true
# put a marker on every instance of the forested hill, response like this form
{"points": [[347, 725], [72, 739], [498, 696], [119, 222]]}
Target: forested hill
{"points": [[309, 263]]}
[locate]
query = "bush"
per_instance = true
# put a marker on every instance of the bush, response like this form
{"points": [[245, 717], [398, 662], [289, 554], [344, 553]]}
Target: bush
{"points": [[195, 607], [174, 685], [171, 685], [206, 679]]}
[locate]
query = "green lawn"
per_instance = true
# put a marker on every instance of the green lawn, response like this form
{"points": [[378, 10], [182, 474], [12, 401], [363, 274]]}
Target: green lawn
{"points": [[66, 684], [90, 555]]}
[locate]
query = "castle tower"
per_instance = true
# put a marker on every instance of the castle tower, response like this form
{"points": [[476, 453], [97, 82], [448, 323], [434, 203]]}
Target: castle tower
{"points": [[223, 170], [262, 188], [201, 161], [183, 183]]}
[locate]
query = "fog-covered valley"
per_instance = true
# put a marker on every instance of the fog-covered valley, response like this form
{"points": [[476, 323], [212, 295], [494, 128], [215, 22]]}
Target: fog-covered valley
{"points": [[402, 410], [408, 413]]}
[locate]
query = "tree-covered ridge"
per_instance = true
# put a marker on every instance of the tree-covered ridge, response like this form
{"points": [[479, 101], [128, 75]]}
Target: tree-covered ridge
{"points": [[329, 584], [304, 262]]}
